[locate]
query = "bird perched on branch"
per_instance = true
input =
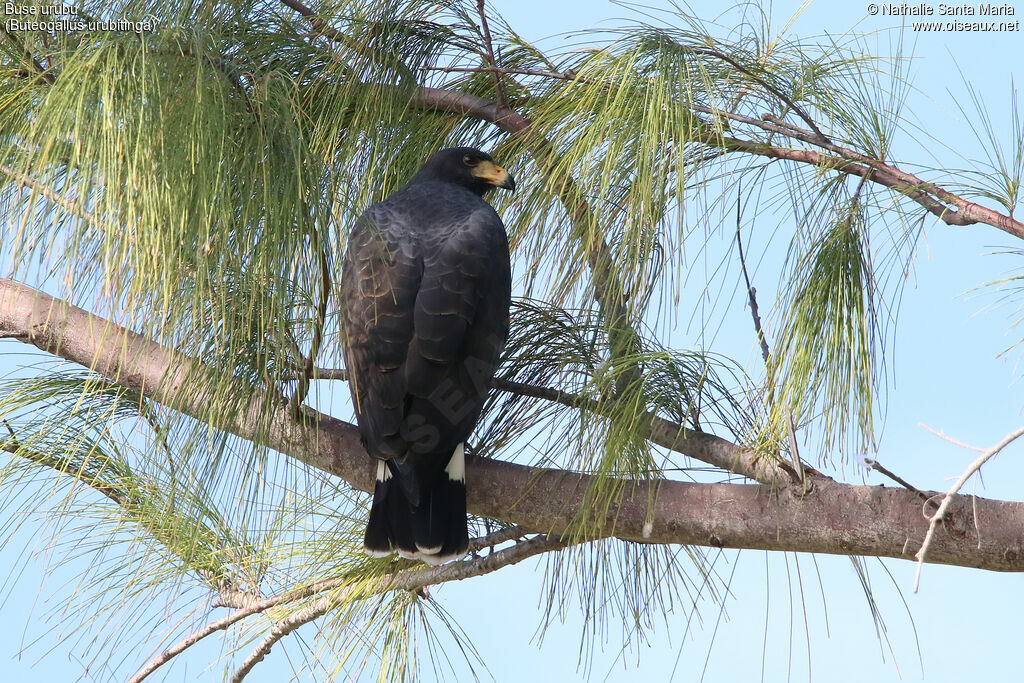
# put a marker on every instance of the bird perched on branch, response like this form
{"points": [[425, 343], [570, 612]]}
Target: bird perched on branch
{"points": [[426, 288]]}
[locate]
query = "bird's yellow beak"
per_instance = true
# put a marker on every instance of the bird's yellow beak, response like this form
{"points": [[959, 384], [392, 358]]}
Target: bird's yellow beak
{"points": [[495, 175]]}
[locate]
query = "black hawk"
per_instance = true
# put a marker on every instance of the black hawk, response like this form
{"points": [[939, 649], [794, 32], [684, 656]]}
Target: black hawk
{"points": [[426, 288]]}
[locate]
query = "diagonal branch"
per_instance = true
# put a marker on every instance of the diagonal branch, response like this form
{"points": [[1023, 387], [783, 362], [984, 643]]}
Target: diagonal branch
{"points": [[25, 180], [340, 588], [717, 54], [409, 581], [316, 22], [947, 206], [947, 500], [129, 496]]}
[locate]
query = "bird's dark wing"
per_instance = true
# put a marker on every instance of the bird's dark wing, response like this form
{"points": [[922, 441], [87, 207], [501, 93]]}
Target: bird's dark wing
{"points": [[380, 281]]}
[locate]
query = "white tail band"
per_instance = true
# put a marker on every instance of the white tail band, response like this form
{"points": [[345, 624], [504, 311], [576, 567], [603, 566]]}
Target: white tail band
{"points": [[456, 468]]}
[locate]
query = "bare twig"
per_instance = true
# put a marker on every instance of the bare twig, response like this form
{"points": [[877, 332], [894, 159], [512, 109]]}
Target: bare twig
{"points": [[948, 499], [877, 466], [309, 362], [752, 298], [794, 450], [953, 441], [488, 46]]}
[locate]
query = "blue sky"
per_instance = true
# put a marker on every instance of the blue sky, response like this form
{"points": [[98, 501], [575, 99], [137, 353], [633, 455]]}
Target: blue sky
{"points": [[945, 373]]}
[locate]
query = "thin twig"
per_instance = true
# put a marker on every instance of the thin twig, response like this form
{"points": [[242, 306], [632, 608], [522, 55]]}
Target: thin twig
{"points": [[25, 180], [953, 441], [752, 297], [496, 538], [795, 449], [41, 71], [316, 22], [560, 75], [485, 30], [309, 362], [948, 498], [766, 85], [877, 466]]}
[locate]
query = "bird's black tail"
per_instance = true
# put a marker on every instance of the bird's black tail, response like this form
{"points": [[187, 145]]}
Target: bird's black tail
{"points": [[433, 531]]}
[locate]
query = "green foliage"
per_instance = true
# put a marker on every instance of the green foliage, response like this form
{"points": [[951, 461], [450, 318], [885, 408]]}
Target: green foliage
{"points": [[825, 361]]}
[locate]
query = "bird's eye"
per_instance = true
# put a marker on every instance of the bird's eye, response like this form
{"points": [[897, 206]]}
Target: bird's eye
{"points": [[470, 160]]}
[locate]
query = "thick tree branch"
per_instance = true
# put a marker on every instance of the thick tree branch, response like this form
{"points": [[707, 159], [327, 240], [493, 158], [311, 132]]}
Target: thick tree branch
{"points": [[834, 518]]}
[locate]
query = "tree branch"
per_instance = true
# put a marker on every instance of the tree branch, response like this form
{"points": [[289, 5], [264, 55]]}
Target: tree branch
{"points": [[409, 581], [488, 46], [120, 488], [947, 500], [52, 195], [341, 589], [711, 52], [316, 22], [948, 207], [834, 518]]}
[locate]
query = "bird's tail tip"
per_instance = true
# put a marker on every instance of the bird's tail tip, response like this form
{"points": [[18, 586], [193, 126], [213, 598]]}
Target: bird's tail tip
{"points": [[434, 531]]}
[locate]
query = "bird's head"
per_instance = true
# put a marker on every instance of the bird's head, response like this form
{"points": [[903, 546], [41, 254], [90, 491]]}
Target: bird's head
{"points": [[467, 167]]}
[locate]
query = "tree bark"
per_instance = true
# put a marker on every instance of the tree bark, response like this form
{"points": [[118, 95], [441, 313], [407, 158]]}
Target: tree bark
{"points": [[832, 518]]}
